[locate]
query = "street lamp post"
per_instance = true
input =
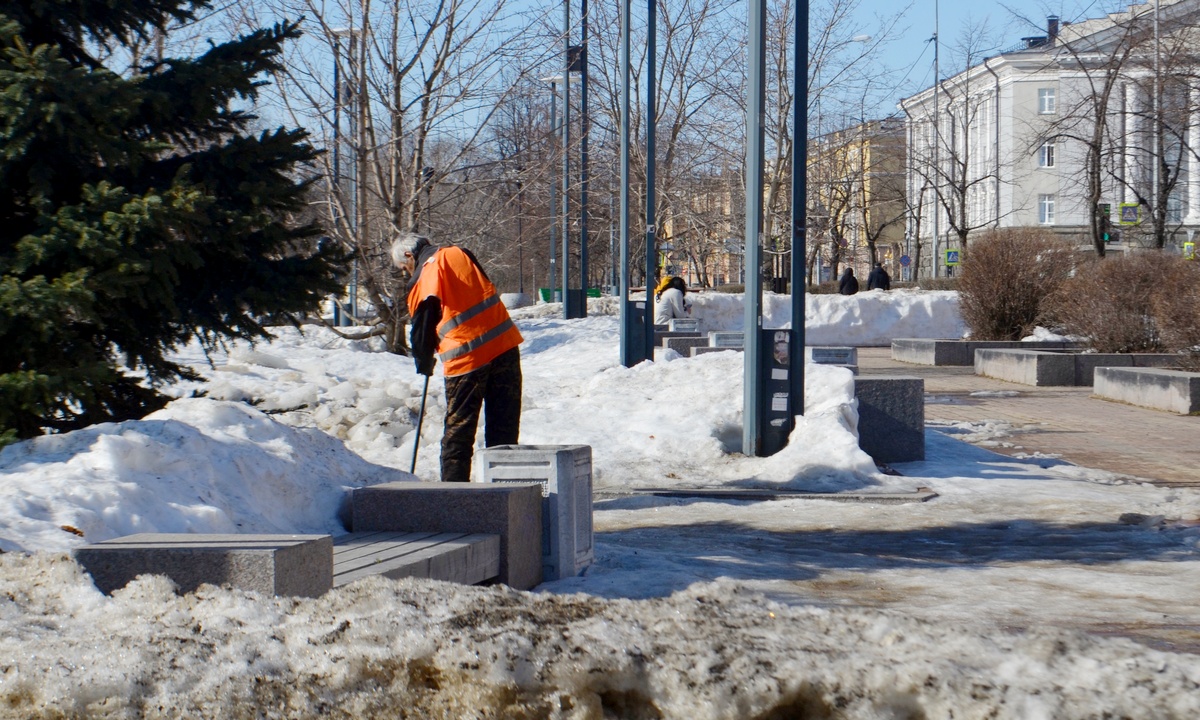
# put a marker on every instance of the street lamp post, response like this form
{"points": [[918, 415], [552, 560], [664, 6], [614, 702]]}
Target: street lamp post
{"points": [[354, 218], [553, 186]]}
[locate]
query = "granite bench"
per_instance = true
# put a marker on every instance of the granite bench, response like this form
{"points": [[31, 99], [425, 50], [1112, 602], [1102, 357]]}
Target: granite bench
{"points": [[926, 351], [513, 511], [465, 558], [271, 564], [1070, 369], [1171, 390]]}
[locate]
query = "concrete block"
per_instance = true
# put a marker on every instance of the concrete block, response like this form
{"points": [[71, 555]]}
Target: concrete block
{"points": [[1029, 367], [565, 473], [684, 325], [705, 350], [927, 351], [270, 564], [661, 338], [727, 339], [891, 417], [1065, 368], [831, 355], [468, 559], [1086, 364], [1171, 390], [684, 345], [512, 511]]}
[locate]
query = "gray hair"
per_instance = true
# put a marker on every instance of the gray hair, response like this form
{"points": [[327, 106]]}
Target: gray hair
{"points": [[407, 243]]}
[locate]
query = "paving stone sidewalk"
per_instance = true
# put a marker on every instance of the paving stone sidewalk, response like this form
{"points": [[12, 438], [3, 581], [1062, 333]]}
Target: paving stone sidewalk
{"points": [[1064, 422]]}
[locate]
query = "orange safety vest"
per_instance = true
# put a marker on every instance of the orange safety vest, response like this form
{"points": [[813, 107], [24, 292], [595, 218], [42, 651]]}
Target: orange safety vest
{"points": [[475, 327]]}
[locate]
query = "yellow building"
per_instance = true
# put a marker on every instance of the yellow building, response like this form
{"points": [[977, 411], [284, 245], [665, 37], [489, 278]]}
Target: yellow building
{"points": [[856, 197]]}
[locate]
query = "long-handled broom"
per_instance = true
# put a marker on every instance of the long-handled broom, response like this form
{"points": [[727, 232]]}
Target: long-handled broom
{"points": [[420, 418]]}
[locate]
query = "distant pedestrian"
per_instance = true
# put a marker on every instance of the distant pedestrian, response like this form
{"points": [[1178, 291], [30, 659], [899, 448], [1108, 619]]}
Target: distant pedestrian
{"points": [[878, 279], [848, 284], [671, 301]]}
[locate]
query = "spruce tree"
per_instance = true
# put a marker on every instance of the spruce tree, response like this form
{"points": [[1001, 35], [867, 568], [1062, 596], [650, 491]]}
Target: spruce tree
{"points": [[137, 210]]}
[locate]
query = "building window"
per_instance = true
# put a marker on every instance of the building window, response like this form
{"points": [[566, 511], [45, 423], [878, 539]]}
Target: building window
{"points": [[1174, 208], [1046, 154], [1045, 209], [1046, 101]]}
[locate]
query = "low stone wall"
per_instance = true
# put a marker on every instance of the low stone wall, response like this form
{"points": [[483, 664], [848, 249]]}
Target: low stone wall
{"points": [[923, 351], [1171, 390], [1063, 369]]}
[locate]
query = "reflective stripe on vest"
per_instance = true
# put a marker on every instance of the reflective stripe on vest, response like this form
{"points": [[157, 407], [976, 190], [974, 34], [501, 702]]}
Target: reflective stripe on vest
{"points": [[476, 342], [466, 315]]}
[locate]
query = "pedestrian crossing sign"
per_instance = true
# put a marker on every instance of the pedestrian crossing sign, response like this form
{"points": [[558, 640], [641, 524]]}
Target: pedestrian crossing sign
{"points": [[1189, 251], [951, 257], [1130, 213]]}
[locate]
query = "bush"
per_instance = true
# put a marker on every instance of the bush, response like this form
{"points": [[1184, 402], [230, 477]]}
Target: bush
{"points": [[1006, 277], [1177, 308], [1143, 302]]}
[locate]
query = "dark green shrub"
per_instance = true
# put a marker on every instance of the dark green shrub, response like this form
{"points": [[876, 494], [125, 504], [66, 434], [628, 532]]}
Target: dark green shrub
{"points": [[1005, 277]]}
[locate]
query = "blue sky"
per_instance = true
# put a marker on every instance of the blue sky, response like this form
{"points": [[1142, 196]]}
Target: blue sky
{"points": [[912, 55]]}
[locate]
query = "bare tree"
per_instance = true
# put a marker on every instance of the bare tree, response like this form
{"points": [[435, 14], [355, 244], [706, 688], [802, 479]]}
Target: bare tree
{"points": [[1089, 117], [844, 77], [955, 174], [402, 95]]}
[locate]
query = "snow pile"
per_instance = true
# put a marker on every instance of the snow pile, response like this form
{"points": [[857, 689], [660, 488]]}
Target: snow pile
{"points": [[965, 606], [195, 466], [381, 648]]}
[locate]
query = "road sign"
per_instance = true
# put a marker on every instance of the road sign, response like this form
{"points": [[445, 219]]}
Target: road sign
{"points": [[1189, 251], [905, 261], [1130, 213], [951, 258]]}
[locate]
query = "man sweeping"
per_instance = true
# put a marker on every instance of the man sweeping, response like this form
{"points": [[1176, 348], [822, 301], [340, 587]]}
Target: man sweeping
{"points": [[456, 312]]}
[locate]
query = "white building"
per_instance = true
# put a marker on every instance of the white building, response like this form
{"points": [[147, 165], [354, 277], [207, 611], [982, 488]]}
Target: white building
{"points": [[1016, 142]]}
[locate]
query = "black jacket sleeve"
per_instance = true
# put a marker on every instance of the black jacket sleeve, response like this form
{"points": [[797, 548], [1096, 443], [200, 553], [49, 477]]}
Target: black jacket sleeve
{"points": [[422, 336]]}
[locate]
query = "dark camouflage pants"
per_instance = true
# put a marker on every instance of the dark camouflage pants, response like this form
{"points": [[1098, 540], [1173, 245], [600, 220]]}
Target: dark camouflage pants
{"points": [[496, 387]]}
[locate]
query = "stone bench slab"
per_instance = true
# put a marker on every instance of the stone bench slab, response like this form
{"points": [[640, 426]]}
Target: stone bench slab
{"points": [[1171, 390], [300, 565], [704, 350], [452, 557], [511, 510], [684, 345], [925, 351], [1062, 369]]}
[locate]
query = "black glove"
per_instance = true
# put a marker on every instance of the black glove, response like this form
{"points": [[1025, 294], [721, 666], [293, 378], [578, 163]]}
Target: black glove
{"points": [[423, 337], [424, 364]]}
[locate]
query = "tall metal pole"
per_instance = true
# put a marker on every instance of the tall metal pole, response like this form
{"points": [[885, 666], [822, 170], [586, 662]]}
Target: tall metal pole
{"points": [[520, 236], [358, 64], [568, 305], [583, 159], [629, 354], [937, 142], [1158, 134], [553, 189], [799, 203], [756, 70], [651, 229], [337, 151]]}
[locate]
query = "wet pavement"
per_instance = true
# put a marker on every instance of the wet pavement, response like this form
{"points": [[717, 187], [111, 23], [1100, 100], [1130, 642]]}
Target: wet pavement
{"points": [[1061, 422]]}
